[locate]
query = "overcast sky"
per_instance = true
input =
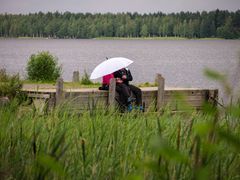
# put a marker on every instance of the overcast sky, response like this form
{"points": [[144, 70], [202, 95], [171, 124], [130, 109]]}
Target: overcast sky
{"points": [[114, 6]]}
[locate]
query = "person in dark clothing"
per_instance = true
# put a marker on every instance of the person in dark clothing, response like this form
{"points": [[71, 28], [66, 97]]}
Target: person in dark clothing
{"points": [[123, 76], [124, 94]]}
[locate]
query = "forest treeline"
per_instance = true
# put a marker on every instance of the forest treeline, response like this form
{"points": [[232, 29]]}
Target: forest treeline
{"points": [[218, 23]]}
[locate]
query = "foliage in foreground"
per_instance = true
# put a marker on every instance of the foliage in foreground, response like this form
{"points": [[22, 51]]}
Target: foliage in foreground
{"points": [[43, 67], [10, 85], [108, 145]]}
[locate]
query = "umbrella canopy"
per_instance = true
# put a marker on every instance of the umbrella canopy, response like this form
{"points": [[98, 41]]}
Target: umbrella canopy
{"points": [[109, 66]]}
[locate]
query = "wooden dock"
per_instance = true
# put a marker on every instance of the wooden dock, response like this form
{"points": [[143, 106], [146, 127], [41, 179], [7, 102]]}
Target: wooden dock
{"points": [[154, 97]]}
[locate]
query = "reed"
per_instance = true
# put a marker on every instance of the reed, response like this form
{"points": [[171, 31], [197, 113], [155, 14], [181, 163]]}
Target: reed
{"points": [[99, 144]]}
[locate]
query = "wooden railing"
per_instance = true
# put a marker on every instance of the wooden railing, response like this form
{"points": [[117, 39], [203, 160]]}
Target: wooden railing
{"points": [[154, 97]]}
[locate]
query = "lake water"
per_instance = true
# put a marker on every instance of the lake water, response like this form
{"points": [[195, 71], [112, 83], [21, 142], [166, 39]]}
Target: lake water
{"points": [[181, 62]]}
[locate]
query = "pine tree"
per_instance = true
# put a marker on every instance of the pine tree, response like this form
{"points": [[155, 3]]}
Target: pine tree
{"points": [[144, 31]]}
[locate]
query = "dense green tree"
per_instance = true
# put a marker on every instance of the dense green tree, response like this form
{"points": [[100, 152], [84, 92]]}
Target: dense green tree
{"points": [[184, 29], [236, 24], [131, 28], [190, 31], [216, 23], [226, 31], [144, 31], [196, 28], [176, 29]]}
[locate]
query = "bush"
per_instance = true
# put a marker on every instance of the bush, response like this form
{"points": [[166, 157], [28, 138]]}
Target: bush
{"points": [[43, 67], [86, 79], [10, 86]]}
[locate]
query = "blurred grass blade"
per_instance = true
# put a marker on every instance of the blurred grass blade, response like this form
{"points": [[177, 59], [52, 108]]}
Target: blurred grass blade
{"points": [[214, 75], [51, 164], [162, 147], [230, 138]]}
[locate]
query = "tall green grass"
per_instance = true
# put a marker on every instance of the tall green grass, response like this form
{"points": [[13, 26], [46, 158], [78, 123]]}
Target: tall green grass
{"points": [[111, 145]]}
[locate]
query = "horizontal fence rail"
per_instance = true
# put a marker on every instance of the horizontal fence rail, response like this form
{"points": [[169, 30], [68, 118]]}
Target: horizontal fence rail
{"points": [[154, 97]]}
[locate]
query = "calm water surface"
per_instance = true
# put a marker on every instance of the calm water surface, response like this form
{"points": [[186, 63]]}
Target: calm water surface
{"points": [[181, 62]]}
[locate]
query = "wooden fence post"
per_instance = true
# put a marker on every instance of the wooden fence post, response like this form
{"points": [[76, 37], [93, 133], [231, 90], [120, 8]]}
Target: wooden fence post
{"points": [[59, 91], [112, 93], [75, 76], [160, 94]]}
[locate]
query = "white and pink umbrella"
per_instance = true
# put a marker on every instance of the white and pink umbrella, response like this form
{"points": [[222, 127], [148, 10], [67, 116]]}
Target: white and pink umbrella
{"points": [[109, 66]]}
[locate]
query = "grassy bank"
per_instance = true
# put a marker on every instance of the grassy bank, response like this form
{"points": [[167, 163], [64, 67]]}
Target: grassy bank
{"points": [[71, 85], [155, 38], [108, 145], [141, 38], [52, 85], [125, 38]]}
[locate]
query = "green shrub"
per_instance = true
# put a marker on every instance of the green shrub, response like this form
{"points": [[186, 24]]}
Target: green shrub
{"points": [[43, 67], [86, 79], [9, 85]]}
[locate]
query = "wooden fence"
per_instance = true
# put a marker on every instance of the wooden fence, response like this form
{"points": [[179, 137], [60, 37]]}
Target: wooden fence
{"points": [[154, 97]]}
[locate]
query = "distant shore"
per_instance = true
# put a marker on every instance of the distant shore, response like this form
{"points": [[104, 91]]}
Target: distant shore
{"points": [[155, 38], [123, 38]]}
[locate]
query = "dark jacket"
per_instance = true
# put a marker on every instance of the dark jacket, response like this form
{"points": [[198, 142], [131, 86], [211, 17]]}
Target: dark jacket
{"points": [[121, 72]]}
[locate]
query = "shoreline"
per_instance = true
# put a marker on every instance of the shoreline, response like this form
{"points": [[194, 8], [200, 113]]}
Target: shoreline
{"points": [[117, 38]]}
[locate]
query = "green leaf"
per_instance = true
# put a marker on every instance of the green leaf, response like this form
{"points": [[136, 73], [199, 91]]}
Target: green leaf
{"points": [[202, 129], [214, 75], [51, 163], [161, 146], [232, 139]]}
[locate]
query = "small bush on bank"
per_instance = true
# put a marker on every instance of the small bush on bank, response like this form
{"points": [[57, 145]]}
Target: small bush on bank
{"points": [[43, 67], [147, 84], [86, 79], [10, 86]]}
